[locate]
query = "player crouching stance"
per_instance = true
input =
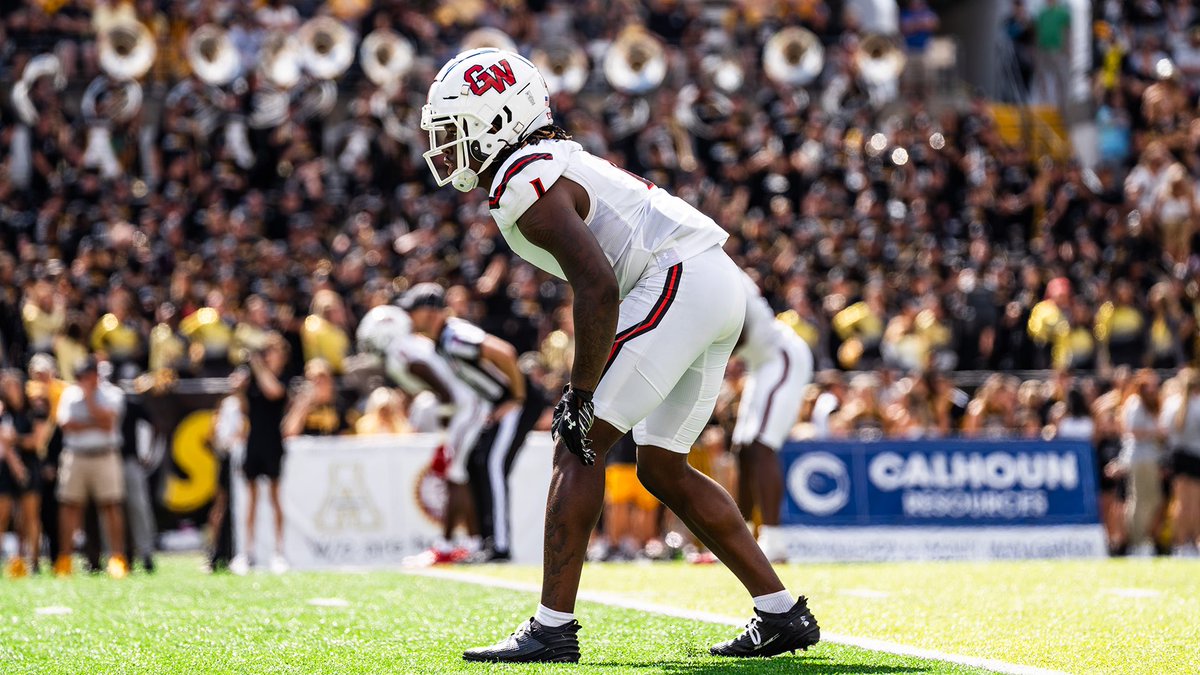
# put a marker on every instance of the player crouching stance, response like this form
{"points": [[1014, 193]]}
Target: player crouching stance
{"points": [[412, 363], [644, 266], [779, 365]]}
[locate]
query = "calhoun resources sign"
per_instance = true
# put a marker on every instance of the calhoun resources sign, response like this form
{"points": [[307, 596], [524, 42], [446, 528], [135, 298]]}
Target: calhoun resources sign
{"points": [[940, 499]]}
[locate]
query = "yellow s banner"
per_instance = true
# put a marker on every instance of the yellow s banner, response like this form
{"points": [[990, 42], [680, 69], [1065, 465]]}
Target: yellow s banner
{"points": [[190, 453]]}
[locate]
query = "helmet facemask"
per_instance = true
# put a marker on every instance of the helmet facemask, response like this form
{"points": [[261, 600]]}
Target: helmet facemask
{"points": [[457, 134]]}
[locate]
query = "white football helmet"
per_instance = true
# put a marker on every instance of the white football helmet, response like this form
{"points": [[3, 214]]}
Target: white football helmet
{"points": [[380, 327], [481, 102]]}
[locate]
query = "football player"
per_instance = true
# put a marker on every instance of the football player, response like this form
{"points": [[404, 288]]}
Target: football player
{"points": [[658, 309], [488, 365], [413, 364], [779, 365]]}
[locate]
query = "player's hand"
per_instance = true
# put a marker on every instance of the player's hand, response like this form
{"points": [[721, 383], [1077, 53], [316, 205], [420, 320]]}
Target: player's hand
{"points": [[573, 417]]}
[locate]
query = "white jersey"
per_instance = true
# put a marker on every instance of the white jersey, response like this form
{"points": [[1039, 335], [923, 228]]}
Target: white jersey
{"points": [[761, 338], [469, 411], [409, 349], [641, 227], [779, 366]]}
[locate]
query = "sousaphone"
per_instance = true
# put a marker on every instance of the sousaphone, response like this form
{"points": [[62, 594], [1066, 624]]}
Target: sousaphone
{"points": [[793, 57], [563, 65], [127, 52], [636, 62]]}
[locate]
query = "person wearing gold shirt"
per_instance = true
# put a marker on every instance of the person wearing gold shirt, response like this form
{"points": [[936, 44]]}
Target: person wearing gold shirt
{"points": [[317, 410], [1081, 343], [118, 337], [70, 345], [168, 349], [1165, 335], [1049, 326], [913, 336], [43, 382], [209, 331], [383, 414], [323, 334], [45, 316], [253, 331], [1121, 328], [860, 328]]}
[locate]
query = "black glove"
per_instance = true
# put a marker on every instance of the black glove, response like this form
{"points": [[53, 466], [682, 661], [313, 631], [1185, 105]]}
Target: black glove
{"points": [[573, 417]]}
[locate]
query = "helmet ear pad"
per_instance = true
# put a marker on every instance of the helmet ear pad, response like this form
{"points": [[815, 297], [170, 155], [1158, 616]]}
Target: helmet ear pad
{"points": [[476, 151], [474, 147]]}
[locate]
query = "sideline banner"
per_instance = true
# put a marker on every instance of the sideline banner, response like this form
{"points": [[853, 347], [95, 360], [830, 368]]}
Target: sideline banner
{"points": [[372, 501], [184, 480], [940, 499]]}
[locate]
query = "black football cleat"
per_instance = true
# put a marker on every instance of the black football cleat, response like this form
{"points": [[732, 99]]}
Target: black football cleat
{"points": [[770, 634], [532, 643]]}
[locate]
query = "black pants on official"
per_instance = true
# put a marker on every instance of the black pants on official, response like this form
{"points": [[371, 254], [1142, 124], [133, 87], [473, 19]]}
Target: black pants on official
{"points": [[489, 465], [222, 547]]}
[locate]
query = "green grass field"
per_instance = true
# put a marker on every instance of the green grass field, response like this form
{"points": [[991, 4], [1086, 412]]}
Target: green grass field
{"points": [[1076, 616]]}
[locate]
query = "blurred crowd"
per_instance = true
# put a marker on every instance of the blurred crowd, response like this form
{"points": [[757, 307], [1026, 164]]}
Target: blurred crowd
{"points": [[906, 235], [904, 240]]}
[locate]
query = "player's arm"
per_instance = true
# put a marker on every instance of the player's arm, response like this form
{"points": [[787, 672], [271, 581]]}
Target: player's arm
{"points": [[440, 389], [553, 224], [504, 356]]}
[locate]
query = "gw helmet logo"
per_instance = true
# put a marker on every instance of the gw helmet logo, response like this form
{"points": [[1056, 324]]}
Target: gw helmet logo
{"points": [[498, 77], [819, 483]]}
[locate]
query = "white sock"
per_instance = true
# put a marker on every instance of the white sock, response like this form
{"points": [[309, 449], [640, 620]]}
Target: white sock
{"points": [[472, 544], [552, 619], [774, 603]]}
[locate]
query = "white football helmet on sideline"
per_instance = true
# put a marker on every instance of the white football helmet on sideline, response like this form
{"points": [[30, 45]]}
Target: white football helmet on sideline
{"points": [[380, 327], [481, 102]]}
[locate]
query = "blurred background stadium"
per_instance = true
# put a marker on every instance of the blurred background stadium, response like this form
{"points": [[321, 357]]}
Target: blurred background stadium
{"points": [[982, 215]]}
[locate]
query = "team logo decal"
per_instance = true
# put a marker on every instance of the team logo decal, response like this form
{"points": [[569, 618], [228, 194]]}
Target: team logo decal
{"points": [[429, 489], [819, 482], [497, 77], [348, 504]]}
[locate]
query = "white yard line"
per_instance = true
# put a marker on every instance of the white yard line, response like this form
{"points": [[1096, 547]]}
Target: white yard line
{"points": [[328, 602], [613, 600]]}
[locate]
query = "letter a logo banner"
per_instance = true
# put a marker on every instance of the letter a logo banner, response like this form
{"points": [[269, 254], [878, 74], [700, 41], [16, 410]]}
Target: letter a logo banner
{"points": [[497, 77]]}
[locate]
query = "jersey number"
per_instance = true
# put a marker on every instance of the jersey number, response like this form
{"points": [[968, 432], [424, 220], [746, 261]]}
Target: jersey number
{"points": [[643, 181]]}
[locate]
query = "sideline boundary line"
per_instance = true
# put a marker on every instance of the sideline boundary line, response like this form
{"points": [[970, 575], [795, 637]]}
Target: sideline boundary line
{"points": [[869, 644]]}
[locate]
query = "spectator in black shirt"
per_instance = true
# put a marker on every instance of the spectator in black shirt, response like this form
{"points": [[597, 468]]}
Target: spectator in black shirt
{"points": [[20, 475], [266, 400]]}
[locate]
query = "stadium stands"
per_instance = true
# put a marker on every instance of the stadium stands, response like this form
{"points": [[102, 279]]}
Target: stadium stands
{"points": [[924, 251]]}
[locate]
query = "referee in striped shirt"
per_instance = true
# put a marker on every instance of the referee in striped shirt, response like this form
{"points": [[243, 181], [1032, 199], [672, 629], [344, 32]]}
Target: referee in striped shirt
{"points": [[488, 365]]}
